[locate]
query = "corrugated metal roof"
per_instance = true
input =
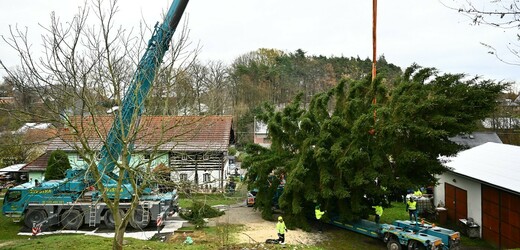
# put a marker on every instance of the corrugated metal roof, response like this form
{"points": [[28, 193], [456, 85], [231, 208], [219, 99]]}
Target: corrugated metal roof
{"points": [[493, 163], [476, 139], [13, 168], [171, 133]]}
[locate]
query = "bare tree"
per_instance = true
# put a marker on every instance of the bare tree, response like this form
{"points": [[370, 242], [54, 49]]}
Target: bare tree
{"points": [[85, 69], [171, 77], [219, 92], [502, 14]]}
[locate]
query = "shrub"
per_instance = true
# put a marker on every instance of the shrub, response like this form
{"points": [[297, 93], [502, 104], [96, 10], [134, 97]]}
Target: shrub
{"points": [[57, 165], [198, 211], [232, 151]]}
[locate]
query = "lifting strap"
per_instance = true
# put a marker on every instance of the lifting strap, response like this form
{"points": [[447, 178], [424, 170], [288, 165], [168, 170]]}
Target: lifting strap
{"points": [[374, 53]]}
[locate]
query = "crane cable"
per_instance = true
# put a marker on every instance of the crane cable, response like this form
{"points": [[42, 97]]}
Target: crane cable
{"points": [[374, 59]]}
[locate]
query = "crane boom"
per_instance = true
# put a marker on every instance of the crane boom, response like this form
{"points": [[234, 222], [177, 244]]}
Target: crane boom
{"points": [[132, 105]]}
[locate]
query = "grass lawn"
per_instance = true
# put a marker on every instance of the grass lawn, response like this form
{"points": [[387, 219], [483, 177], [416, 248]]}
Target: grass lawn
{"points": [[9, 231], [186, 200], [8, 228]]}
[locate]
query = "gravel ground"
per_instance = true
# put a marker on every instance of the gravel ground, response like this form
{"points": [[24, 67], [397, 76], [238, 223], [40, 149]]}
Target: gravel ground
{"points": [[259, 230]]}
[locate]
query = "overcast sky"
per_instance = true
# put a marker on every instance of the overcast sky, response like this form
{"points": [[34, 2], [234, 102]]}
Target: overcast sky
{"points": [[425, 31]]}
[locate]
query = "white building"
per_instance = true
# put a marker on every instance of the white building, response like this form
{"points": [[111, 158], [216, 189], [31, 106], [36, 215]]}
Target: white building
{"points": [[483, 183]]}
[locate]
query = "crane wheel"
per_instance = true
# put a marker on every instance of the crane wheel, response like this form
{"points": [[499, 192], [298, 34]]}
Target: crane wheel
{"points": [[138, 221], [393, 244], [35, 216], [109, 220], [72, 219]]}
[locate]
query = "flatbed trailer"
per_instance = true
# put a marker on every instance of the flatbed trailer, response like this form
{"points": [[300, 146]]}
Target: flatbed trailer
{"points": [[405, 234]]}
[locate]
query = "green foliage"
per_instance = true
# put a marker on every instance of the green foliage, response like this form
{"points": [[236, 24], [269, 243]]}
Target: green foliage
{"points": [[232, 151], [57, 165], [198, 211], [12, 149], [346, 152]]}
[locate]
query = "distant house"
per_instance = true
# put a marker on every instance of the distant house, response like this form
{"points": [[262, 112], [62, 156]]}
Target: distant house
{"points": [[13, 172], [194, 148], [483, 183], [33, 125], [38, 135], [7, 100], [261, 135], [36, 169], [501, 123]]}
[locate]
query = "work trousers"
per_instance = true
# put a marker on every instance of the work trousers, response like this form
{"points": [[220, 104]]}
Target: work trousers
{"points": [[413, 213], [281, 238]]}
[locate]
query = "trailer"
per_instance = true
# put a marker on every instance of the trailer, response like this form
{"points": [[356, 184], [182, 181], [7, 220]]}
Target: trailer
{"points": [[405, 234]]}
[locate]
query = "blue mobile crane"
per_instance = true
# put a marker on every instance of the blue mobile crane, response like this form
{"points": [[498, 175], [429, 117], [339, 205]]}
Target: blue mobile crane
{"points": [[72, 202]]}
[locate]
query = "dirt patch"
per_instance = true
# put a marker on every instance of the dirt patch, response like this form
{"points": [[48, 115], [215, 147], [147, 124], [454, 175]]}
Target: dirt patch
{"points": [[257, 229]]}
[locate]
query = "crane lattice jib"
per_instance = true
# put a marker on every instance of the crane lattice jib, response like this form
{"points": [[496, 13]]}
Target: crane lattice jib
{"points": [[136, 93]]}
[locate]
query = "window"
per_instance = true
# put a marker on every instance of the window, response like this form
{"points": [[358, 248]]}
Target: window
{"points": [[207, 177], [80, 158], [184, 157], [13, 196], [183, 177]]}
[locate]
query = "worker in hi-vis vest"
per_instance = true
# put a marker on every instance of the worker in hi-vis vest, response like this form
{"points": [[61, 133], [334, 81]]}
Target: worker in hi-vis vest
{"points": [[319, 214], [379, 212], [281, 229], [411, 207]]}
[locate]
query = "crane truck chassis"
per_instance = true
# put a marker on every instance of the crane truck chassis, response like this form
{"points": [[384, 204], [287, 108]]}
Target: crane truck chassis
{"points": [[47, 205], [73, 201]]}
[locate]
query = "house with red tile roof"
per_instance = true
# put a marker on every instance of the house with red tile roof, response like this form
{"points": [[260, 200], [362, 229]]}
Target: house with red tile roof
{"points": [[36, 168], [194, 148], [38, 137]]}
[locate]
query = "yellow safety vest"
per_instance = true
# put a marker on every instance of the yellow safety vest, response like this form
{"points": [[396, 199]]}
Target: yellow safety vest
{"points": [[280, 227], [412, 205], [318, 213], [379, 210]]}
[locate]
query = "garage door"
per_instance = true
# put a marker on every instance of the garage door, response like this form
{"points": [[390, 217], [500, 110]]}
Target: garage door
{"points": [[500, 217], [456, 200]]}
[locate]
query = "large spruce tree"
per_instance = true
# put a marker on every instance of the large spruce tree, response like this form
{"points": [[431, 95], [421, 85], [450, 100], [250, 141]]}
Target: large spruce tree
{"points": [[360, 141]]}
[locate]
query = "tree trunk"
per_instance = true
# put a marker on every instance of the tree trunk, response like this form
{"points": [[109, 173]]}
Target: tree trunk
{"points": [[117, 243]]}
